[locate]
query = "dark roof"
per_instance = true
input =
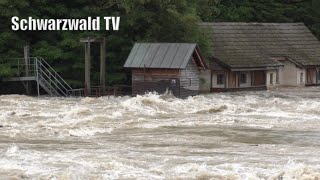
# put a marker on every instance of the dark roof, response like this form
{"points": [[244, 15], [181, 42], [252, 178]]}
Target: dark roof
{"points": [[161, 55], [254, 44]]}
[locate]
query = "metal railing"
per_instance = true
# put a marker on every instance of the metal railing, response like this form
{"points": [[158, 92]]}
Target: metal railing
{"points": [[52, 78], [46, 76], [97, 91]]}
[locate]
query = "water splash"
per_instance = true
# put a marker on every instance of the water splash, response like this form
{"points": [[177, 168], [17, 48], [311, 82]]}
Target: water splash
{"points": [[241, 135]]}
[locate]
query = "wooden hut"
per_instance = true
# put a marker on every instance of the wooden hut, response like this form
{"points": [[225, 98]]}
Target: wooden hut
{"points": [[252, 56], [166, 66]]}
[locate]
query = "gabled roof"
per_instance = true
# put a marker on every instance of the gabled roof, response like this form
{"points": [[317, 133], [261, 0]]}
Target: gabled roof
{"points": [[163, 55], [254, 44]]}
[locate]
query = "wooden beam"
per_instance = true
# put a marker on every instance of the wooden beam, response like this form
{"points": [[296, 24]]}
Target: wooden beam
{"points": [[103, 65], [225, 79], [252, 78], [87, 68], [200, 59], [91, 39], [317, 75], [211, 74], [26, 51], [238, 79]]}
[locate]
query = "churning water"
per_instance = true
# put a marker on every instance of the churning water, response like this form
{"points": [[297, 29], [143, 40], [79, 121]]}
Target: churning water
{"points": [[247, 135]]}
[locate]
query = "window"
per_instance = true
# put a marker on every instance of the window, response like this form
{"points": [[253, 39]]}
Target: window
{"points": [[243, 78], [301, 77], [277, 77], [271, 78], [220, 79]]}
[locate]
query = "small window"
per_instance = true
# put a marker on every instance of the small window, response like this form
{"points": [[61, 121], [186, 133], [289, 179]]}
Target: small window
{"points": [[220, 79], [277, 77], [271, 78], [301, 77], [243, 78]]}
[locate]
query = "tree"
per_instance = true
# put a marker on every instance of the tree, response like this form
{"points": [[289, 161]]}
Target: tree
{"points": [[141, 21]]}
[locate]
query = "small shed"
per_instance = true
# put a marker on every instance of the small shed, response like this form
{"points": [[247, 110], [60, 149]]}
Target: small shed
{"points": [[166, 66]]}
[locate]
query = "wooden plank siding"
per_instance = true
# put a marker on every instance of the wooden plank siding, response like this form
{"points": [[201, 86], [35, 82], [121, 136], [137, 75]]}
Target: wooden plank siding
{"points": [[189, 80], [158, 80], [160, 86]]}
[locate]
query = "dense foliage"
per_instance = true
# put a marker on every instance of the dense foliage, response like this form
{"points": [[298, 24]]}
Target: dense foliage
{"points": [[141, 21]]}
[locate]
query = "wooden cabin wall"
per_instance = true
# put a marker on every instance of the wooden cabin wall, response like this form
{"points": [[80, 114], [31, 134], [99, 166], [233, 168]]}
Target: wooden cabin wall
{"points": [[158, 80], [189, 80]]}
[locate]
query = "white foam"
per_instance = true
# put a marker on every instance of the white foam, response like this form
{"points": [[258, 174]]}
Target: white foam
{"points": [[218, 136]]}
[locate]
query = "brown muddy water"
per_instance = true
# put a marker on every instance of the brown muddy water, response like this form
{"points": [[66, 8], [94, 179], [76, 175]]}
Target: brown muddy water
{"points": [[245, 135]]}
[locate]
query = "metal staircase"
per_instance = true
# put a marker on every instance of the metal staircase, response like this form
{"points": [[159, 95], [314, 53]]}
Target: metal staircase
{"points": [[50, 80], [46, 77]]}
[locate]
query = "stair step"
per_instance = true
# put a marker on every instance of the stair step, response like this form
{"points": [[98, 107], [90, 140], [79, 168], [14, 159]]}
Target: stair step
{"points": [[45, 76]]}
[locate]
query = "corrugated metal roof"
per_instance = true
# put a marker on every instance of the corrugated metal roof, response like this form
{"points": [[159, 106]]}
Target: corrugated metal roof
{"points": [[160, 55], [253, 44]]}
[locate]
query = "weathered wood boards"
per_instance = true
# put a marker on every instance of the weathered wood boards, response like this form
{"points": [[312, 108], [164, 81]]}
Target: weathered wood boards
{"points": [[166, 66]]}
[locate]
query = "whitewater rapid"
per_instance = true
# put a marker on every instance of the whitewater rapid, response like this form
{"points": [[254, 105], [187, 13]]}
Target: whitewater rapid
{"points": [[241, 135]]}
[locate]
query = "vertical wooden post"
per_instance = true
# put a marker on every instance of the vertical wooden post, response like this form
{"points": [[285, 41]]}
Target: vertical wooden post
{"points": [[252, 78], [103, 65], [225, 79], [265, 77], [87, 68], [26, 51], [211, 74], [317, 75], [238, 79]]}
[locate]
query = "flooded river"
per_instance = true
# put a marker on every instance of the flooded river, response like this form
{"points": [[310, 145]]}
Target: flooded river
{"points": [[244, 135]]}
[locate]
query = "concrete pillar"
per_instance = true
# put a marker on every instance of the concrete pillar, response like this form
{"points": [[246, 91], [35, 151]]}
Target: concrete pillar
{"points": [[87, 68], [103, 65]]}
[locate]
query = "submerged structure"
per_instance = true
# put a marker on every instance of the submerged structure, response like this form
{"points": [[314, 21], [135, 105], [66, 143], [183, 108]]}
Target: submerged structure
{"points": [[166, 66], [256, 56]]}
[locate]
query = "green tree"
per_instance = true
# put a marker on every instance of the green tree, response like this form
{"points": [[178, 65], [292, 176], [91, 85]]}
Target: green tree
{"points": [[141, 21]]}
